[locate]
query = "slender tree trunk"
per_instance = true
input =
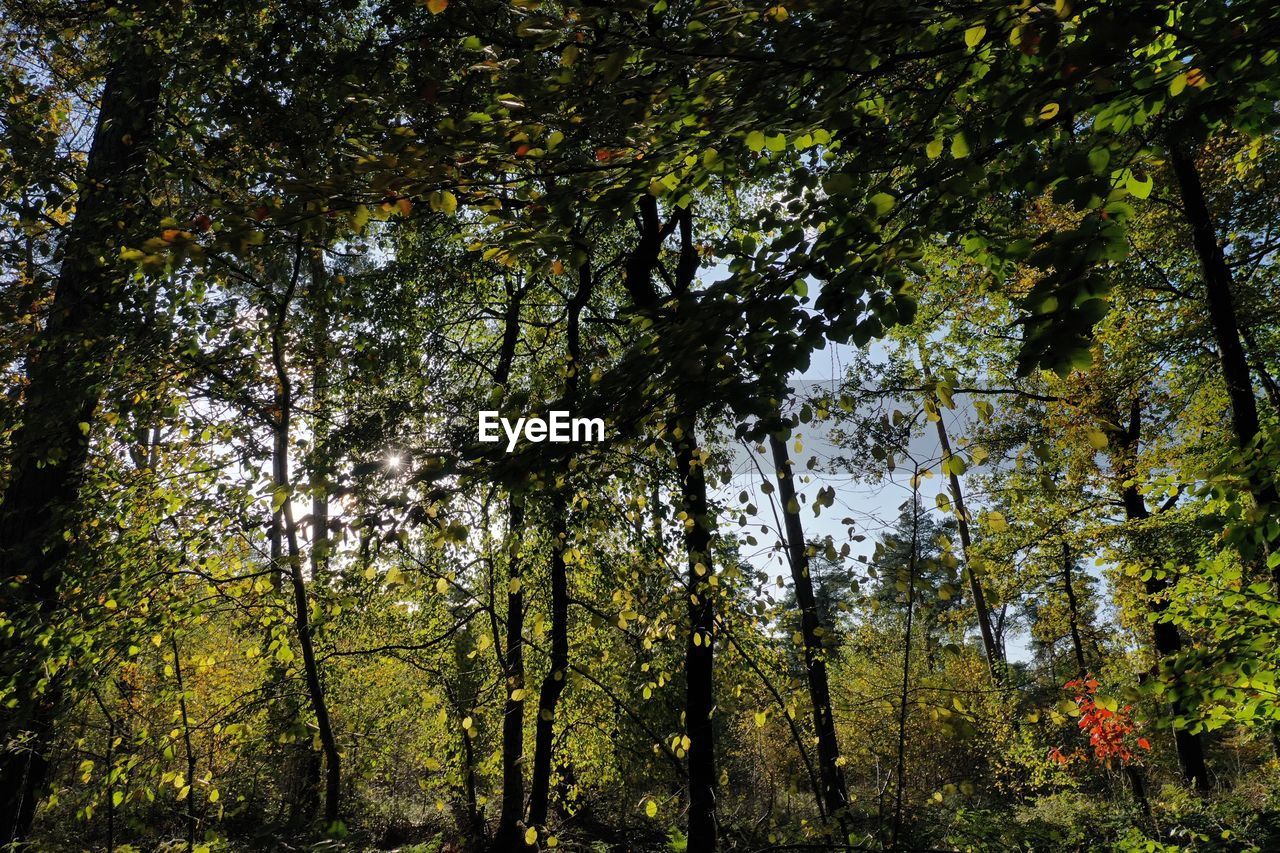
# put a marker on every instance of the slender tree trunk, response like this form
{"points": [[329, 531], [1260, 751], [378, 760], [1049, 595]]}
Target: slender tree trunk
{"points": [[190, 753], [321, 465], [1073, 611], [554, 682], [905, 692], [991, 649], [1165, 638], [67, 370], [699, 656], [474, 817], [302, 605], [1133, 773], [1218, 296], [508, 836], [834, 794], [1220, 302], [699, 660]]}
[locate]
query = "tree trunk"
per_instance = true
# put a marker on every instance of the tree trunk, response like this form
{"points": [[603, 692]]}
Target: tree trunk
{"points": [[1220, 302], [554, 682], [507, 836], [990, 648], [302, 605], [186, 742], [69, 365], [834, 794], [1165, 638], [1073, 612], [905, 691], [699, 661], [321, 465]]}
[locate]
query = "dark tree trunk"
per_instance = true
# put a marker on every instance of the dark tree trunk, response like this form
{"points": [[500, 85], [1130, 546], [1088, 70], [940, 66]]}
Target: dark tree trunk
{"points": [[191, 817], [834, 794], [904, 694], [68, 367], [554, 682], [1220, 302], [1133, 773], [1165, 638], [1218, 296], [298, 581], [991, 649], [1073, 612], [321, 465], [699, 659], [508, 835], [699, 662]]}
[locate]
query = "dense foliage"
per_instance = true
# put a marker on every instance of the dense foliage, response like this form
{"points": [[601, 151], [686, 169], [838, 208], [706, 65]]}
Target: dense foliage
{"points": [[263, 585]]}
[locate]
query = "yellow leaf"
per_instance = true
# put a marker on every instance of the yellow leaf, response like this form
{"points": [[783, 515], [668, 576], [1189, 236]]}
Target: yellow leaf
{"points": [[531, 836], [1048, 111], [1097, 438], [651, 809], [444, 202], [934, 149], [959, 146], [974, 36], [996, 521]]}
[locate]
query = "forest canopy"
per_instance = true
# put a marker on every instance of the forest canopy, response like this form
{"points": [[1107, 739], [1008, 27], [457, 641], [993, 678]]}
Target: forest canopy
{"points": [[936, 350]]}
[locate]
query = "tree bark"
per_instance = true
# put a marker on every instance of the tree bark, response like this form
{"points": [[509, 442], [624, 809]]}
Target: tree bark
{"points": [[1073, 612], [900, 772], [990, 648], [1165, 638], [834, 794], [302, 604], [554, 682], [508, 836], [66, 373], [1220, 301], [699, 655], [321, 465]]}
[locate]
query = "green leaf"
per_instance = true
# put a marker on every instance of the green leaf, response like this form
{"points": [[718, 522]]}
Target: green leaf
{"points": [[755, 140], [883, 203], [959, 146], [1137, 187], [974, 36]]}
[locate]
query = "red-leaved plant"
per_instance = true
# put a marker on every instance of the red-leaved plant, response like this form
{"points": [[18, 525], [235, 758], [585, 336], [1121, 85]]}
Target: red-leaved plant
{"points": [[1110, 732]]}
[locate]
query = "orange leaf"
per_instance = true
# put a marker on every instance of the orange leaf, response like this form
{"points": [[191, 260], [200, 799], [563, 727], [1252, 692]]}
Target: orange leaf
{"points": [[435, 7]]}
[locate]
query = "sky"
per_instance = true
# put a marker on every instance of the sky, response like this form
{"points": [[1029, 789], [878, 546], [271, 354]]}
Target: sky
{"points": [[873, 507]]}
